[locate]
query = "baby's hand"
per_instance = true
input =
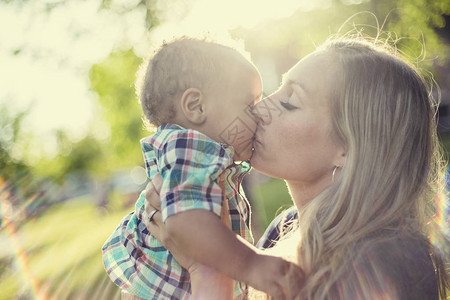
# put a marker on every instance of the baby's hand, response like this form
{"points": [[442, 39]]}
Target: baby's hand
{"points": [[275, 276]]}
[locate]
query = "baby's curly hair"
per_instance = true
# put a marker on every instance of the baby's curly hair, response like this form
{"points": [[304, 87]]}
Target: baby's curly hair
{"points": [[173, 68]]}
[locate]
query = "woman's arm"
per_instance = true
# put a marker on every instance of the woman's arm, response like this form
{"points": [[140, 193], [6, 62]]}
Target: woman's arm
{"points": [[208, 284]]}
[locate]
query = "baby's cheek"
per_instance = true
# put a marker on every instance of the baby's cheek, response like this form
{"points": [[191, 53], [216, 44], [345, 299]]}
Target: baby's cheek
{"points": [[248, 127]]}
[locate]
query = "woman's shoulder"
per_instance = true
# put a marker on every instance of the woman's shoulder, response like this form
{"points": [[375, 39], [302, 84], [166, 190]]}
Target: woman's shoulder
{"points": [[392, 264], [399, 252]]}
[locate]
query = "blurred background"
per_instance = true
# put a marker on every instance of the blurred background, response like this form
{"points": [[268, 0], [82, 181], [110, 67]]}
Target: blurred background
{"points": [[70, 123]]}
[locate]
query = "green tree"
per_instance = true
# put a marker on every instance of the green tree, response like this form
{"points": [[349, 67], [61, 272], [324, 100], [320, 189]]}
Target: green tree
{"points": [[411, 24], [152, 12], [11, 132], [84, 155], [113, 81]]}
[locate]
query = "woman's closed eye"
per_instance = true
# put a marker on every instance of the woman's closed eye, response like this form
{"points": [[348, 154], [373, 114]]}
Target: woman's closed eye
{"points": [[286, 93], [288, 106]]}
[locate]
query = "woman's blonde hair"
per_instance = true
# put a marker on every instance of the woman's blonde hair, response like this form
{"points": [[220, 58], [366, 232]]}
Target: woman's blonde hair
{"points": [[384, 115]]}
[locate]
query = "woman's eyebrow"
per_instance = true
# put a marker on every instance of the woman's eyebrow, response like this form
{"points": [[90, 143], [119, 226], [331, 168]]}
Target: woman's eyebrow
{"points": [[289, 81], [292, 82]]}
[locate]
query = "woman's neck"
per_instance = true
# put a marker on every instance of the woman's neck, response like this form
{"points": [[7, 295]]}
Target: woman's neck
{"points": [[302, 193]]}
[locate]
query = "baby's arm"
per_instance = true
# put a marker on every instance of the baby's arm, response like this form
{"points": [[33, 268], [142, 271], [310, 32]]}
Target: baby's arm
{"points": [[202, 235]]}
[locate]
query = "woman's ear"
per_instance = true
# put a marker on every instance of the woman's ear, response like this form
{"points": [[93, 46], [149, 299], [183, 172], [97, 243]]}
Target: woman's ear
{"points": [[341, 158], [192, 105]]}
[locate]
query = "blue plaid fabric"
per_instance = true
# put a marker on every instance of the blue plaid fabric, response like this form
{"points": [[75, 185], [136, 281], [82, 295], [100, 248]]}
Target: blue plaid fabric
{"points": [[283, 223], [191, 165]]}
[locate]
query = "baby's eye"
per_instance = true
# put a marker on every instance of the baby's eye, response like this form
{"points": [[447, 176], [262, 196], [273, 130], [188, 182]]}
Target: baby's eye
{"points": [[288, 106]]}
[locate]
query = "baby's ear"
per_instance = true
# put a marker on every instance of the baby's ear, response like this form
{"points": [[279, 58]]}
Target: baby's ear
{"points": [[192, 102]]}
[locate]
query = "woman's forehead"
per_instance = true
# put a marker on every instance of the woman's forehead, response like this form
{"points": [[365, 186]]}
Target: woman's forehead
{"points": [[317, 59], [310, 70]]}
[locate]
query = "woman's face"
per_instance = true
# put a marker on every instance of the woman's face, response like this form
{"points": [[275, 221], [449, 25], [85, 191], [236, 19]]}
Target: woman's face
{"points": [[294, 138]]}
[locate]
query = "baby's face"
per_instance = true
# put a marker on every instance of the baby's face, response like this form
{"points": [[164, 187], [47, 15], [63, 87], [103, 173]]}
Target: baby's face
{"points": [[230, 120]]}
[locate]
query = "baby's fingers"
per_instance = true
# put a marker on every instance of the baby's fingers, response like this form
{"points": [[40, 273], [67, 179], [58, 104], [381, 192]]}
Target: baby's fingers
{"points": [[152, 198]]}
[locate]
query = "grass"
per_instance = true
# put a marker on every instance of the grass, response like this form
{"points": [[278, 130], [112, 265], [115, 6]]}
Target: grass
{"points": [[63, 253]]}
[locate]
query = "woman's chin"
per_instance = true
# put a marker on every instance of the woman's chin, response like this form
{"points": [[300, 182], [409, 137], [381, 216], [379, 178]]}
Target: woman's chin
{"points": [[261, 164]]}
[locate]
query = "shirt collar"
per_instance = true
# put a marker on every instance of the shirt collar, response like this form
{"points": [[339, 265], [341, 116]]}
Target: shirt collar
{"points": [[229, 149]]}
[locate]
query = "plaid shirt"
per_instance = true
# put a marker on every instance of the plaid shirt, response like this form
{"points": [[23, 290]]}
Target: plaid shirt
{"points": [[198, 173]]}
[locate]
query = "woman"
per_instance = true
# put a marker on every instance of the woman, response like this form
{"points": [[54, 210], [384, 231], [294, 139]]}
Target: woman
{"points": [[356, 143]]}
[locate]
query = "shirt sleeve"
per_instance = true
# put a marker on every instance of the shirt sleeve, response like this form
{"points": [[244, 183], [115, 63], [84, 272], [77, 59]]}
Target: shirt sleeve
{"points": [[282, 222], [190, 164]]}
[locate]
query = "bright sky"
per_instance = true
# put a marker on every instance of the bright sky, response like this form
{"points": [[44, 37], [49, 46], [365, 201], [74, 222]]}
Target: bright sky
{"points": [[50, 73]]}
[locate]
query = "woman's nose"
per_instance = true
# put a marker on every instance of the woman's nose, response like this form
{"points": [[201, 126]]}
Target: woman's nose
{"points": [[263, 111]]}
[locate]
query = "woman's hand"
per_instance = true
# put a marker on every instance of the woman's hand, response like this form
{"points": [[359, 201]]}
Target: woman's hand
{"points": [[206, 283], [155, 225], [275, 276]]}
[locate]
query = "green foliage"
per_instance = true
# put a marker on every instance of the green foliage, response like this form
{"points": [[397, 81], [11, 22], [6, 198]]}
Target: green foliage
{"points": [[72, 156], [113, 81], [445, 142], [270, 199], [11, 132], [284, 40], [152, 13], [408, 24], [417, 20]]}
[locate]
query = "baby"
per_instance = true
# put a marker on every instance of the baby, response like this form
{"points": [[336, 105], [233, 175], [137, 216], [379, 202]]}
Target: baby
{"points": [[199, 94]]}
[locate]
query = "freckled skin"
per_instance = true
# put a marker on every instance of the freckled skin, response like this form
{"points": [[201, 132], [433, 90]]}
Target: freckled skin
{"points": [[296, 143]]}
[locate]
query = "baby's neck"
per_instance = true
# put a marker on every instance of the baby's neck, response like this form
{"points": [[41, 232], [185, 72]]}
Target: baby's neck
{"points": [[183, 122]]}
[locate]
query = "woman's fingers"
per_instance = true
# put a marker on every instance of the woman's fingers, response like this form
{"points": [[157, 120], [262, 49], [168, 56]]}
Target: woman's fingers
{"points": [[155, 224], [157, 220], [296, 281], [158, 230], [157, 182], [153, 201], [154, 230]]}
